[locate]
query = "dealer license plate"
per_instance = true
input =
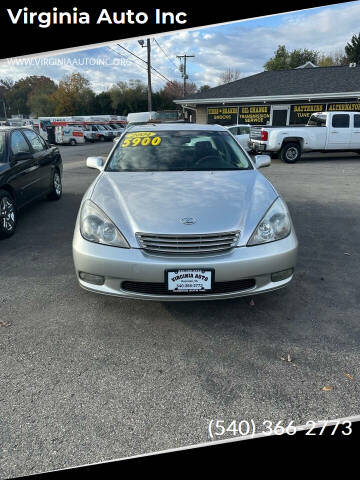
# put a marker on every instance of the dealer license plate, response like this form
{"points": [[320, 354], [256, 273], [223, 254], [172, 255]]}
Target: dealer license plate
{"points": [[183, 281]]}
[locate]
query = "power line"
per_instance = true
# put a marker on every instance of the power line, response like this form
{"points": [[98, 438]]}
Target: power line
{"points": [[152, 68], [166, 55], [132, 61], [126, 58]]}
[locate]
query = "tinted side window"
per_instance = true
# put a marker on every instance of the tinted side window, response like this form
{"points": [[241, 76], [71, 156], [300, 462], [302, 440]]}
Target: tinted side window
{"points": [[36, 142], [341, 120], [356, 121], [233, 130], [2, 147], [244, 130], [18, 143]]}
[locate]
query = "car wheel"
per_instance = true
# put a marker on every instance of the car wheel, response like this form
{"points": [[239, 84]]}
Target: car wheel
{"points": [[102, 138], [8, 214], [290, 152], [72, 142], [56, 187]]}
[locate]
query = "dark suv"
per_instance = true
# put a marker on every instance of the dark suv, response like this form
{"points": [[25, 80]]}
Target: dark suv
{"points": [[29, 168]]}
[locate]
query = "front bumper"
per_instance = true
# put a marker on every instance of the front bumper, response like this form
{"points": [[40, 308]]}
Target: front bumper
{"points": [[120, 265]]}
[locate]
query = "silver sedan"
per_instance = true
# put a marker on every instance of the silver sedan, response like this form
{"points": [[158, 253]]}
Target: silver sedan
{"points": [[180, 212]]}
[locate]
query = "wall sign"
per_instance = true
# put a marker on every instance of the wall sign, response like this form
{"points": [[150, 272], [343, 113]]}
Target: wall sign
{"points": [[254, 114], [350, 107], [223, 115], [301, 113]]}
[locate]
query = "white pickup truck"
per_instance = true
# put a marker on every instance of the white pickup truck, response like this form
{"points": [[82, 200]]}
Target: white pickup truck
{"points": [[324, 132]]}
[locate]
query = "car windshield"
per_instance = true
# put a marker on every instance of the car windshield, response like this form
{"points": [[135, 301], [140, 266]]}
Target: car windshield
{"points": [[174, 150], [2, 147]]}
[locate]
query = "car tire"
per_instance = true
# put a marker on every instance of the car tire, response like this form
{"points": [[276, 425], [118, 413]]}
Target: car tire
{"points": [[290, 152], [55, 187], [72, 142], [102, 138], [8, 214]]}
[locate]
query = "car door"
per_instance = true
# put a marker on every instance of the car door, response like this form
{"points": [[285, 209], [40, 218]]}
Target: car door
{"points": [[24, 168], [355, 132], [339, 132], [43, 156]]}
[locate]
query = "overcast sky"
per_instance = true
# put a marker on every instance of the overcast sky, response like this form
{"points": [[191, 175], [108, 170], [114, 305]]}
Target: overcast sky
{"points": [[244, 45]]}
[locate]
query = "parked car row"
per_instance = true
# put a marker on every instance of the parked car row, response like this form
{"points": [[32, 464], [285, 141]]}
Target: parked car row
{"points": [[238, 241], [77, 134], [102, 132]]}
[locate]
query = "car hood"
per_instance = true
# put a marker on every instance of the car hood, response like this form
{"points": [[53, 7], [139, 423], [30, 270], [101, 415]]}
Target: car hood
{"points": [[155, 202]]}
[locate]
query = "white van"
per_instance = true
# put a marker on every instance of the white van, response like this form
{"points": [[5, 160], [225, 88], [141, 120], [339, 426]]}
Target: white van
{"points": [[68, 134], [141, 117]]}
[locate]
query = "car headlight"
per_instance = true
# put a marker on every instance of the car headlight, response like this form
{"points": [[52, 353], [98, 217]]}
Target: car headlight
{"points": [[274, 225], [96, 227]]}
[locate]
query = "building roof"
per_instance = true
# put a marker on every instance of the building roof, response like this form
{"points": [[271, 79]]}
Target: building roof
{"points": [[283, 84]]}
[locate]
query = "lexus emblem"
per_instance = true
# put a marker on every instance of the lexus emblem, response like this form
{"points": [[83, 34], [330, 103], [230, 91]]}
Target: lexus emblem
{"points": [[188, 220]]}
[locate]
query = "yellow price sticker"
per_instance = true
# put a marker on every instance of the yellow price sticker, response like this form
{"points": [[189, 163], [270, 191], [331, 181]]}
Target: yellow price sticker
{"points": [[132, 140], [140, 134]]}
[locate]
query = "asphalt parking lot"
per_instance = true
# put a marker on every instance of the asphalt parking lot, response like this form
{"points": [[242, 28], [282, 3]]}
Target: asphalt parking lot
{"points": [[86, 378]]}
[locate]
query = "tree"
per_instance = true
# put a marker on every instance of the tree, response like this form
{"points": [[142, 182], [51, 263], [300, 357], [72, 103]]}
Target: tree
{"points": [[285, 60], [102, 104], [175, 89], [280, 61], [41, 105], [19, 94], [300, 56], [230, 75], [352, 49], [337, 58], [128, 97], [204, 88], [73, 96]]}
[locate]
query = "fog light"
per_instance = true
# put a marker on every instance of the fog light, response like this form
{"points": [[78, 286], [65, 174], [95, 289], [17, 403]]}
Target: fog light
{"points": [[94, 279], [278, 276]]}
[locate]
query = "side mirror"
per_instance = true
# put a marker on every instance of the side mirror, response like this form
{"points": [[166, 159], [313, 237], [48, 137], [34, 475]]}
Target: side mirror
{"points": [[262, 161], [95, 162]]}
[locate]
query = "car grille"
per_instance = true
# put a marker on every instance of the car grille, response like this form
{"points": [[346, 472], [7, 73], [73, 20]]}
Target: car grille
{"points": [[160, 288], [188, 244]]}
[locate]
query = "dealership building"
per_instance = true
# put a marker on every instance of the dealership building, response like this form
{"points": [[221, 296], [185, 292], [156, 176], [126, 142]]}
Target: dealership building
{"points": [[277, 97]]}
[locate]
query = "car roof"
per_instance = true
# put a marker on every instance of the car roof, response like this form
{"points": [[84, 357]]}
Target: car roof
{"points": [[177, 126], [239, 125], [14, 127]]}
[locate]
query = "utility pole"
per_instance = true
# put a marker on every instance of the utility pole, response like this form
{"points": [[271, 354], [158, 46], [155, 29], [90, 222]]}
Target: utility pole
{"points": [[183, 70], [141, 42]]}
